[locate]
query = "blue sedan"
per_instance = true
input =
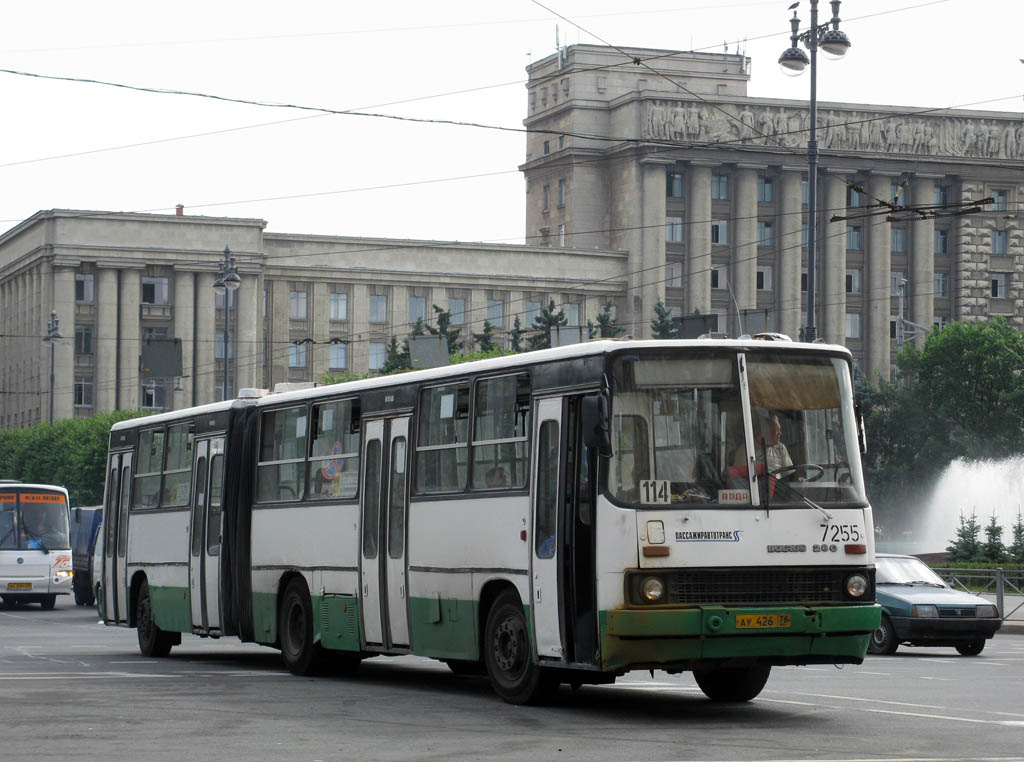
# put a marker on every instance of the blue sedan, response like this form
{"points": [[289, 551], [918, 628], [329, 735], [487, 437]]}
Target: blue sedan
{"points": [[920, 609]]}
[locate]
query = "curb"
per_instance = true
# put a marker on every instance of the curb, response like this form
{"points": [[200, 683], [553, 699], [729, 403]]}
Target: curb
{"points": [[1012, 627]]}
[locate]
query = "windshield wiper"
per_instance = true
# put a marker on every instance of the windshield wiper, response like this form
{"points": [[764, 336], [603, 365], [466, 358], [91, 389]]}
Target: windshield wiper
{"points": [[806, 500], [32, 536]]}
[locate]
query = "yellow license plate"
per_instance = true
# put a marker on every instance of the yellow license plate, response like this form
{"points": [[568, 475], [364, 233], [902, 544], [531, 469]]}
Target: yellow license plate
{"points": [[19, 585], [762, 621]]}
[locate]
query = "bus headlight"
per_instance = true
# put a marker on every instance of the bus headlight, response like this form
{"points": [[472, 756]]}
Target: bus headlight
{"points": [[652, 589], [856, 585], [64, 573]]}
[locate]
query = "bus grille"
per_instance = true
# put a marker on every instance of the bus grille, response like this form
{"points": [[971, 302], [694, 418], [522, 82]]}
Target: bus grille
{"points": [[759, 585]]}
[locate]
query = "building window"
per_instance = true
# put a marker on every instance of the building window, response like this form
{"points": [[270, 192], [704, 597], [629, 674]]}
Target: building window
{"points": [[378, 308], [154, 395], [938, 321], [804, 191], [417, 309], [803, 287], [999, 200], [852, 325], [854, 197], [338, 358], [719, 279], [378, 355], [674, 229], [297, 355], [297, 305], [999, 281], [765, 234], [719, 187], [561, 141], [764, 277], [899, 194], [999, 242], [674, 275], [531, 313], [85, 288], [218, 349], [853, 237], [898, 240], [155, 291], [457, 310], [339, 306], [547, 198], [83, 391], [892, 326], [561, 236], [765, 190], [561, 192], [496, 312], [941, 285], [942, 242], [896, 280], [150, 332], [218, 300], [942, 195], [719, 232], [83, 339], [852, 281], [572, 314], [674, 184]]}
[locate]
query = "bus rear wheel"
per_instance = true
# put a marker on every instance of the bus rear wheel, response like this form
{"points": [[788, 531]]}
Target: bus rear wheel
{"points": [[152, 640], [732, 683], [514, 675], [300, 654]]}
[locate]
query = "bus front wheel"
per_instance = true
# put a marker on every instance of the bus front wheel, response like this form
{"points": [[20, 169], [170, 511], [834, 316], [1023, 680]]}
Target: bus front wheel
{"points": [[48, 602], [732, 683], [152, 640], [514, 675], [295, 630]]}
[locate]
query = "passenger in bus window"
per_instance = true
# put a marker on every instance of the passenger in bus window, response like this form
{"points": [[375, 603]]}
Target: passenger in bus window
{"points": [[497, 477]]}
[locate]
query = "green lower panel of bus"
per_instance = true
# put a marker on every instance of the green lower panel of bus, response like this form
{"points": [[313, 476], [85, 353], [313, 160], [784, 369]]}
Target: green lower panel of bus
{"points": [[791, 635], [172, 610], [444, 628]]}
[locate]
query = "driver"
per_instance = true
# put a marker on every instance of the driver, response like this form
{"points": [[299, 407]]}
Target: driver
{"points": [[772, 451]]}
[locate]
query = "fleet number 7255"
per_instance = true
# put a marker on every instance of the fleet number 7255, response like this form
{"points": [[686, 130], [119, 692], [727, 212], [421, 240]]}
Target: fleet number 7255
{"points": [[840, 532]]}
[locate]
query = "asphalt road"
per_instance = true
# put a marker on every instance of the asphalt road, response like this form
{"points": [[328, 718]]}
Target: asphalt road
{"points": [[71, 689]]}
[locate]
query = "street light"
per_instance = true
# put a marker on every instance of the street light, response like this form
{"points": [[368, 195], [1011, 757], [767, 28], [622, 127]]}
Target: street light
{"points": [[52, 335], [227, 282], [793, 61]]}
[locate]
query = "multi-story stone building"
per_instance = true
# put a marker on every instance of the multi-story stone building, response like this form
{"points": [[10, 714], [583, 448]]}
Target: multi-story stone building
{"points": [[641, 186], [706, 188]]}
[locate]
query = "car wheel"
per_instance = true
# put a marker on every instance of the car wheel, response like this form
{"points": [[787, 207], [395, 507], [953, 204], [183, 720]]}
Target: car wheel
{"points": [[883, 639], [732, 683], [972, 648]]}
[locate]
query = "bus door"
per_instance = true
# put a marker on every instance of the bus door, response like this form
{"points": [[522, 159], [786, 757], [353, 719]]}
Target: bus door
{"points": [[384, 507], [115, 543], [204, 556], [548, 510]]}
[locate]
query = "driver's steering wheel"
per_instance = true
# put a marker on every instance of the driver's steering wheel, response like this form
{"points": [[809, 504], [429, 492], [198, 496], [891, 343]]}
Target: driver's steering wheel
{"points": [[819, 471]]}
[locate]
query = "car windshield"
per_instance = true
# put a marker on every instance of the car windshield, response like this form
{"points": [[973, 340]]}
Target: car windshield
{"points": [[680, 434], [905, 571], [33, 520]]}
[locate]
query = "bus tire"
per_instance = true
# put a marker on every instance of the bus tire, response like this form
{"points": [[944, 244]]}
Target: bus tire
{"points": [[301, 655], [514, 675], [153, 641], [48, 601], [883, 638], [10, 602], [732, 683]]}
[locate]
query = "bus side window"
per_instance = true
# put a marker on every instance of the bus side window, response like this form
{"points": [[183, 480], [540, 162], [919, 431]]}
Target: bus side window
{"points": [[501, 425], [547, 490]]}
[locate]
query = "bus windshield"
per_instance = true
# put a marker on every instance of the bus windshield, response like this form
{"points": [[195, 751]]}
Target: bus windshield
{"points": [[680, 435], [33, 519]]}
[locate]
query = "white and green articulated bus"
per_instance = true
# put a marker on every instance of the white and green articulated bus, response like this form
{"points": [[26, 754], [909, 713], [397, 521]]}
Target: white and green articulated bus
{"points": [[35, 544], [561, 516]]}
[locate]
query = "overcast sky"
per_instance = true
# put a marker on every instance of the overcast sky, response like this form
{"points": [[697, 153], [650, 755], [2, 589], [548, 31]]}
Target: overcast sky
{"points": [[88, 146]]}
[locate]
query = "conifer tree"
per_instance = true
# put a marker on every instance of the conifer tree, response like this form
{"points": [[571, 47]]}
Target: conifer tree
{"points": [[485, 341], [607, 324], [1017, 546], [992, 550], [966, 546], [547, 320], [663, 326], [444, 328], [515, 336]]}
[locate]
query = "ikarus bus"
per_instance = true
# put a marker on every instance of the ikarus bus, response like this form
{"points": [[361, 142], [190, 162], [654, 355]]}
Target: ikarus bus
{"points": [[35, 547], [556, 517]]}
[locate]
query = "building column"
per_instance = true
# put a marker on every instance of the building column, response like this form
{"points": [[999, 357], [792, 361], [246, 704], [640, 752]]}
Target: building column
{"points": [[129, 344], [184, 330], [652, 261], [359, 319], [106, 341], [832, 244], [878, 264], [64, 352], [744, 244], [319, 356], [249, 316], [698, 240], [204, 363], [922, 259], [790, 256], [476, 314]]}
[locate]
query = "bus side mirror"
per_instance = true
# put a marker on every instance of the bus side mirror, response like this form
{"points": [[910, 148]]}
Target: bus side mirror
{"points": [[594, 420], [862, 436], [78, 515]]}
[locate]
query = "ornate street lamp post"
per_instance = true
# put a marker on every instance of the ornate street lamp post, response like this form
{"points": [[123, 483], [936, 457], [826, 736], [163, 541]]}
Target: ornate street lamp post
{"points": [[226, 284], [52, 335], [793, 61]]}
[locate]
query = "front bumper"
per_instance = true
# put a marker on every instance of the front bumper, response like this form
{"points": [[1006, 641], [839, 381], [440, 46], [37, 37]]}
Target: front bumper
{"points": [[940, 631], [683, 638]]}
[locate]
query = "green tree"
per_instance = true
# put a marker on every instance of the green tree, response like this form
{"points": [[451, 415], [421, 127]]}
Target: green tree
{"points": [[663, 326], [485, 341], [396, 359], [444, 328], [966, 546], [607, 324], [992, 549], [544, 323], [515, 336], [1016, 549]]}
